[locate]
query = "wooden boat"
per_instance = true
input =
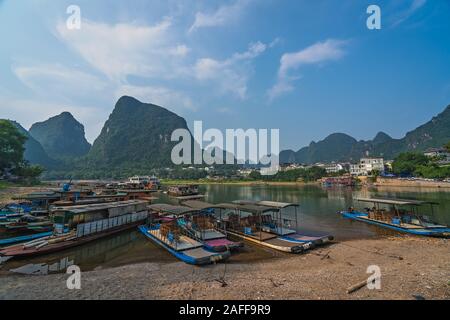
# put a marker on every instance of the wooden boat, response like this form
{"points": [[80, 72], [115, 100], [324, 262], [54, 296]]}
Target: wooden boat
{"points": [[199, 224], [165, 231], [402, 215], [77, 225], [184, 192], [24, 238], [282, 224], [244, 222]]}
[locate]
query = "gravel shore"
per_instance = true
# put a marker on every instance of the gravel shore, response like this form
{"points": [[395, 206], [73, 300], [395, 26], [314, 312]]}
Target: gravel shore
{"points": [[411, 268]]}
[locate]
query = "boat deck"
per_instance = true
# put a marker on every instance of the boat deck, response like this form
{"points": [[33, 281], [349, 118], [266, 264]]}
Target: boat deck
{"points": [[185, 243], [279, 230], [402, 225], [210, 234], [262, 235], [282, 243], [199, 253]]}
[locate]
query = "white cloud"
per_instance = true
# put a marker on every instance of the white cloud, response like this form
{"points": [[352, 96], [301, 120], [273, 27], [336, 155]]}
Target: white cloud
{"points": [[414, 6], [220, 17], [59, 80], [230, 74], [123, 49], [162, 96], [317, 53]]}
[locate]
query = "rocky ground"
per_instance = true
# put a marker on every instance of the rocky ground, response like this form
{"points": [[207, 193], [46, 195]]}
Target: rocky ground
{"points": [[411, 268]]}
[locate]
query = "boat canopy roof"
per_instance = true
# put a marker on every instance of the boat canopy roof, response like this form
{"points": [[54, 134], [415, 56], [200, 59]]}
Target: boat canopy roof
{"points": [[200, 205], [171, 209], [272, 204], [248, 206], [398, 202], [79, 209]]}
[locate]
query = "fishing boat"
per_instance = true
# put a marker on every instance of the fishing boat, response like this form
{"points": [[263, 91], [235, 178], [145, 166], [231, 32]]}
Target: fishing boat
{"points": [[77, 225], [400, 215], [244, 221], [166, 230]]}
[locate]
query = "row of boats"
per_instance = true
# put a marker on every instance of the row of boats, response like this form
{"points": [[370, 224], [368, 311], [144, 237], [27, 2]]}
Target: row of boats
{"points": [[194, 231]]}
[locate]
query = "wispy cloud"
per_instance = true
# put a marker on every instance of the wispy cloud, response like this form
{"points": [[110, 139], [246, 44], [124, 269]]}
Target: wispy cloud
{"points": [[222, 16], [317, 53], [404, 15], [230, 74], [119, 50]]}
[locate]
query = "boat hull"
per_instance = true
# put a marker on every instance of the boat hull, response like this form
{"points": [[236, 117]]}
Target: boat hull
{"points": [[427, 232], [18, 251]]}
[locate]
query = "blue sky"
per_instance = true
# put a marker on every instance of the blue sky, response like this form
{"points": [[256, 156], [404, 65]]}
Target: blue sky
{"points": [[309, 68]]}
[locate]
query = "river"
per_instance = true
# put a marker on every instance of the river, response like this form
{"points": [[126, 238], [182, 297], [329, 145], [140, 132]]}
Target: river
{"points": [[318, 212]]}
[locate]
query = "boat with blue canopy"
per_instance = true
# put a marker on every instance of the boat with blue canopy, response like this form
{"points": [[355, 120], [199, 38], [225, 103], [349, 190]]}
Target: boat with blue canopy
{"points": [[402, 215]]}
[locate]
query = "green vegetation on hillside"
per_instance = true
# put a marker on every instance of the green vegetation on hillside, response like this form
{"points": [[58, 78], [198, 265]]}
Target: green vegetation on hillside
{"points": [[418, 165], [342, 147]]}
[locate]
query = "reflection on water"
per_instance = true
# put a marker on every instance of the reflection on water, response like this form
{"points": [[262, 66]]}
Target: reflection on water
{"points": [[44, 268], [121, 249], [319, 206], [318, 212]]}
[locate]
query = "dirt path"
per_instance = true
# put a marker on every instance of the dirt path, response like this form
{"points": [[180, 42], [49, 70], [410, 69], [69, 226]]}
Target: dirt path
{"points": [[410, 268]]}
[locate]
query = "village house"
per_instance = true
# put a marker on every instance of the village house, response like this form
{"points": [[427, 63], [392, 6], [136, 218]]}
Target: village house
{"points": [[366, 166]]}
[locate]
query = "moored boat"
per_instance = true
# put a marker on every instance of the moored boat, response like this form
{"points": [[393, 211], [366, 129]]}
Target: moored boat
{"points": [[76, 225], [244, 221], [199, 223], [400, 215], [166, 230]]}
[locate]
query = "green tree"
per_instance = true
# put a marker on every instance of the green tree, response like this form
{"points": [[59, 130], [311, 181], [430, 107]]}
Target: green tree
{"points": [[407, 163], [29, 173], [11, 145], [447, 146]]}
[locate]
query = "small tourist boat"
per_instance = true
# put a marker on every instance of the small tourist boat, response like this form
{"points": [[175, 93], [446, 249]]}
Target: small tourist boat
{"points": [[284, 222], [166, 230], [199, 223], [244, 221], [185, 192], [77, 225], [400, 215]]}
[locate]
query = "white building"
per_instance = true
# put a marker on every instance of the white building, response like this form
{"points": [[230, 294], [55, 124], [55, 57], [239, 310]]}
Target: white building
{"points": [[366, 166], [334, 167]]}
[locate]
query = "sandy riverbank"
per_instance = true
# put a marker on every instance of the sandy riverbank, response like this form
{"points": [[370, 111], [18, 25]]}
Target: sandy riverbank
{"points": [[410, 267]]}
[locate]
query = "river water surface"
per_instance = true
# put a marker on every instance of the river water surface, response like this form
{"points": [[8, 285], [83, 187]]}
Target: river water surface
{"points": [[318, 212]]}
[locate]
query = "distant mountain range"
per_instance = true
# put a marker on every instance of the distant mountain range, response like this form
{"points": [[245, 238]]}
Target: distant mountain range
{"points": [[342, 147], [137, 137]]}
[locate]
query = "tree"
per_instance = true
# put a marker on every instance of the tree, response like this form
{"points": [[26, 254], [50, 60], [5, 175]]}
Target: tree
{"points": [[11, 145], [407, 163], [447, 146], [29, 173]]}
